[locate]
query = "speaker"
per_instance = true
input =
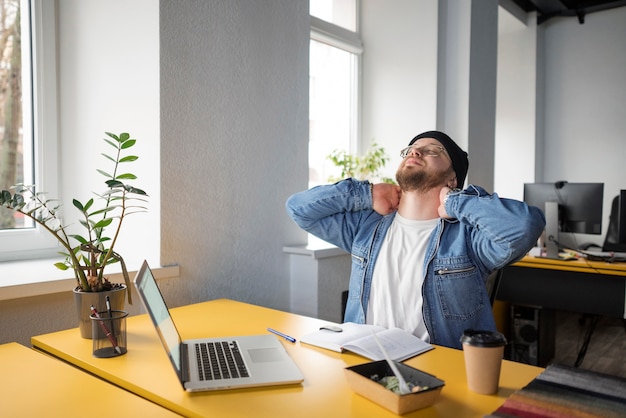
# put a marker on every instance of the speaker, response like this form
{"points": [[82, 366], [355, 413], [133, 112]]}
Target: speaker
{"points": [[533, 335]]}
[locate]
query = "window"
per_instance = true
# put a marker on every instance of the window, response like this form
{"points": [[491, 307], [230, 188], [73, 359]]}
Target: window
{"points": [[27, 117], [338, 12], [334, 62]]}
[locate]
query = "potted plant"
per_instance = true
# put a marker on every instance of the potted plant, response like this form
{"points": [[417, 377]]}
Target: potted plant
{"points": [[366, 167], [90, 252]]}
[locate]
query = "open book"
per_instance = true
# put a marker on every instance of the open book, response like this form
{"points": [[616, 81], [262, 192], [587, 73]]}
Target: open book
{"points": [[359, 339]]}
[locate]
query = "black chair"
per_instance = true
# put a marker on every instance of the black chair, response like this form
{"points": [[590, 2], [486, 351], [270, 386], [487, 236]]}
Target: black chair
{"points": [[493, 284], [344, 302], [612, 241]]}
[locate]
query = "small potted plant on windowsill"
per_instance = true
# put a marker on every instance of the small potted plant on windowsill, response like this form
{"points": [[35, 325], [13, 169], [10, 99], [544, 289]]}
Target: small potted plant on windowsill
{"points": [[366, 167], [89, 253]]}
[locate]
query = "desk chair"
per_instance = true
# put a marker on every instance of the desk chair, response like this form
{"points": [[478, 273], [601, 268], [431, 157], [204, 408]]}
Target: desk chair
{"points": [[611, 241], [493, 284]]}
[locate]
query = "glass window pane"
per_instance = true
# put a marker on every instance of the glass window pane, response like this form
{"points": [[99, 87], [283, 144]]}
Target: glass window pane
{"points": [[340, 12], [15, 77], [332, 99]]}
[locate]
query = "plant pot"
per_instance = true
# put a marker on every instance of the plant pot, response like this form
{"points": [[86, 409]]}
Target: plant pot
{"points": [[84, 301]]}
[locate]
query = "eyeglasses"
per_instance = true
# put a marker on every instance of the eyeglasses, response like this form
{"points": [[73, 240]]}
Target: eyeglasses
{"points": [[425, 151]]}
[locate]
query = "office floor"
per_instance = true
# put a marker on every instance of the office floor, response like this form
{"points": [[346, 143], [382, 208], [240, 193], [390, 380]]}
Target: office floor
{"points": [[606, 352]]}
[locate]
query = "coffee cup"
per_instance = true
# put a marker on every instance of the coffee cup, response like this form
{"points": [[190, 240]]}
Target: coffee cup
{"points": [[483, 352]]}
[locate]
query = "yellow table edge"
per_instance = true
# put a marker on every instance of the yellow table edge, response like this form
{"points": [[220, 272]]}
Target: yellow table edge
{"points": [[579, 265], [323, 369], [36, 384]]}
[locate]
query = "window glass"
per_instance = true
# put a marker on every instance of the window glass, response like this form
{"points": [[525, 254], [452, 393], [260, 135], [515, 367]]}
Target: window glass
{"points": [[16, 144], [331, 107], [339, 12], [28, 118]]}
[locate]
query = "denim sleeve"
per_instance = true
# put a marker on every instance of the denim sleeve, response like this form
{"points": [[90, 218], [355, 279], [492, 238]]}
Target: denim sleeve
{"points": [[332, 212], [502, 230]]}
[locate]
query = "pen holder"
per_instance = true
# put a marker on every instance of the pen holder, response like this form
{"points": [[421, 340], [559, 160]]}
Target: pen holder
{"points": [[108, 334]]}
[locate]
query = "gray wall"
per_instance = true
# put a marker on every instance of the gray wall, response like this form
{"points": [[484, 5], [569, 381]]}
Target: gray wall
{"points": [[234, 135]]}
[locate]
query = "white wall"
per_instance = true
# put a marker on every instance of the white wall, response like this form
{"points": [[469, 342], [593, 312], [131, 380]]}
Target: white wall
{"points": [[108, 60], [585, 102], [400, 73]]}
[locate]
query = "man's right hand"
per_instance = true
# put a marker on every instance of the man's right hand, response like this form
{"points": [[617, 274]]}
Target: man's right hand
{"points": [[385, 198]]}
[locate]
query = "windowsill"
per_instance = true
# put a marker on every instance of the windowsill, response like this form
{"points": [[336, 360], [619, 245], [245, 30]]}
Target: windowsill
{"points": [[27, 278], [315, 248]]}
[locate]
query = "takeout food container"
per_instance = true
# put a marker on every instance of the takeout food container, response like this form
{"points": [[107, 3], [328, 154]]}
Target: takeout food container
{"points": [[360, 380]]}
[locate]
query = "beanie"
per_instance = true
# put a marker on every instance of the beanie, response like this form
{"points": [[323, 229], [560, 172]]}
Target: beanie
{"points": [[460, 162]]}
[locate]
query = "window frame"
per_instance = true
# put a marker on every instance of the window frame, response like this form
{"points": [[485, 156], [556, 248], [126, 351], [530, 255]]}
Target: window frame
{"points": [[349, 41], [31, 243]]}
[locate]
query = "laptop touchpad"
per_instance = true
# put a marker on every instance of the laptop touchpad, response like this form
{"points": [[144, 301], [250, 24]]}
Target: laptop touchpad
{"points": [[263, 355]]}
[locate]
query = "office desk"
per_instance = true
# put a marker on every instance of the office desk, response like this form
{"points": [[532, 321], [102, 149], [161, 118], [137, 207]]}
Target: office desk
{"points": [[145, 369], [33, 384], [589, 287]]}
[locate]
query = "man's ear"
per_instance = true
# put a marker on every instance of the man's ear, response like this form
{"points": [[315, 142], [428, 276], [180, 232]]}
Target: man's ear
{"points": [[452, 183]]}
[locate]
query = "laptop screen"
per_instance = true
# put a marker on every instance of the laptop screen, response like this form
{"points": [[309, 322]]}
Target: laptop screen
{"points": [[157, 309]]}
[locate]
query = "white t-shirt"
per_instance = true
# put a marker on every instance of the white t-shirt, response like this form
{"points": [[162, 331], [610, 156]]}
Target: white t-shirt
{"points": [[396, 293]]}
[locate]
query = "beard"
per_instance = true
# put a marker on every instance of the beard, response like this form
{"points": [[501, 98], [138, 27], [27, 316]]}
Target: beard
{"points": [[414, 178]]}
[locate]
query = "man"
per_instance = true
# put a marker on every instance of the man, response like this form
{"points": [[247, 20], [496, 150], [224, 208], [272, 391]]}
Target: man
{"points": [[422, 250]]}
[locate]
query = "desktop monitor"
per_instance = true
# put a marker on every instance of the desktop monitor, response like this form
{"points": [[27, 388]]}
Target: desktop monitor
{"points": [[569, 207]]}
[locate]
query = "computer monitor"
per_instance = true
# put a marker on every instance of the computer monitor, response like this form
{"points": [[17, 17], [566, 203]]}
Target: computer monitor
{"points": [[616, 233], [569, 207]]}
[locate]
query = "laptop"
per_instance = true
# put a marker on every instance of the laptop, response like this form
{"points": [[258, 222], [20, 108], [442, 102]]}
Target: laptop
{"points": [[216, 363]]}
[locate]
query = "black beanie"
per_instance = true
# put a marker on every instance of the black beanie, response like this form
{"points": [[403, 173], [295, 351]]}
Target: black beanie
{"points": [[460, 163]]}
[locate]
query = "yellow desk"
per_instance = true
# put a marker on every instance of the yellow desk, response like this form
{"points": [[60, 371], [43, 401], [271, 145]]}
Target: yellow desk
{"points": [[35, 385], [145, 369], [582, 286]]}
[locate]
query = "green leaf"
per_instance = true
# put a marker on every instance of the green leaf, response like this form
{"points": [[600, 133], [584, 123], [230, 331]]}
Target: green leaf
{"points": [[17, 201], [103, 210], [104, 173], [111, 143], [129, 143], [114, 183], [103, 223], [78, 205], [88, 205], [61, 266], [129, 158], [112, 136], [79, 238], [108, 157], [126, 176], [135, 190]]}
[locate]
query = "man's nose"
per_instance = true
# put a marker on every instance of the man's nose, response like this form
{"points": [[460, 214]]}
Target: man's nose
{"points": [[415, 151]]}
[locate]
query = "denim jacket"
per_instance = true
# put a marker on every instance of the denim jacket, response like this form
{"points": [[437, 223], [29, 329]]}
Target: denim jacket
{"points": [[487, 234]]}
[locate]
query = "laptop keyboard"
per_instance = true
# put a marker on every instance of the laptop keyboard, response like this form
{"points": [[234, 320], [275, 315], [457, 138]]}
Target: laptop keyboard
{"points": [[220, 360]]}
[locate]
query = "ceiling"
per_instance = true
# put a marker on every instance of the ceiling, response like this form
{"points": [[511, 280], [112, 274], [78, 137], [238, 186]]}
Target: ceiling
{"points": [[547, 9]]}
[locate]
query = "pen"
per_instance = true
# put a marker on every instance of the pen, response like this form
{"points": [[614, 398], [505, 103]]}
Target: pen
{"points": [[285, 336], [108, 302], [106, 330]]}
